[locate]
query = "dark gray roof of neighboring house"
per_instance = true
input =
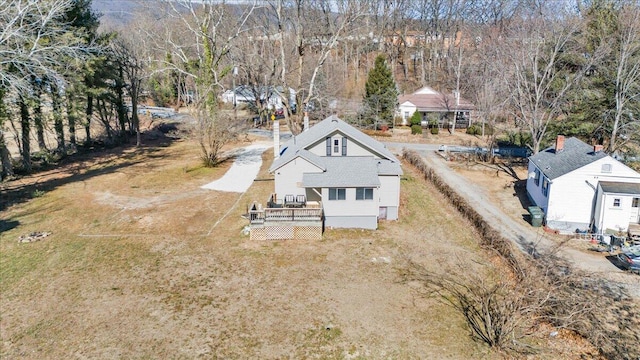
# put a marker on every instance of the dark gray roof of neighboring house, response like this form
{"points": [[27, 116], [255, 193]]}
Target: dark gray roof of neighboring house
{"points": [[345, 171], [575, 155], [320, 131], [620, 187]]}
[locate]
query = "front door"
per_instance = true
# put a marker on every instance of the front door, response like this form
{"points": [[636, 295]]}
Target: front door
{"points": [[635, 211]]}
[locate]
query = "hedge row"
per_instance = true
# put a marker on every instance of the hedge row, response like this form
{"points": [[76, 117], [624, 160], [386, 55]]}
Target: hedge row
{"points": [[490, 238]]}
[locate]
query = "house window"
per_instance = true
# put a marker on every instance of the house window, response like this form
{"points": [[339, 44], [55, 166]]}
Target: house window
{"points": [[364, 193], [336, 145], [344, 146], [337, 194], [616, 202], [606, 168], [635, 203], [536, 177], [328, 141], [545, 187]]}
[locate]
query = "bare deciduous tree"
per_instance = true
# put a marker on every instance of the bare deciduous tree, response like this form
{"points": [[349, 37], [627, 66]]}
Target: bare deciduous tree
{"points": [[208, 31], [627, 77], [313, 29], [536, 81], [34, 40]]}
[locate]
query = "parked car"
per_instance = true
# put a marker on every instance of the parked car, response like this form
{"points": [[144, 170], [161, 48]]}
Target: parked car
{"points": [[630, 259]]}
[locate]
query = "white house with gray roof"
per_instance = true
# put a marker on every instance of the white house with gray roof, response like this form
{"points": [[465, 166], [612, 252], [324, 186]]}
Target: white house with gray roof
{"points": [[564, 180], [353, 176]]}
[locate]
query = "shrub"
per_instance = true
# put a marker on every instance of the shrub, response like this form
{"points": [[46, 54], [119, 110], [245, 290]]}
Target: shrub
{"points": [[415, 119], [416, 129], [434, 130], [476, 129]]}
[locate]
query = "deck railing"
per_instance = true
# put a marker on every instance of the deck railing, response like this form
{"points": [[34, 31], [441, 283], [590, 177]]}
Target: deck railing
{"points": [[311, 212]]}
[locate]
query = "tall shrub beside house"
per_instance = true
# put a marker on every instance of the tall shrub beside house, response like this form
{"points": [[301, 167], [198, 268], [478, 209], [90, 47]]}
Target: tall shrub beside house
{"points": [[416, 121], [381, 94]]}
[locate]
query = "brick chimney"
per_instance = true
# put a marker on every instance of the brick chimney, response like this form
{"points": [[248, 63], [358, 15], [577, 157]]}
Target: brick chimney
{"points": [[597, 148], [559, 143]]}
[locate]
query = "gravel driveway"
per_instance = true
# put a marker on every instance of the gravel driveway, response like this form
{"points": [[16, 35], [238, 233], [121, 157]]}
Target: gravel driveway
{"points": [[523, 236]]}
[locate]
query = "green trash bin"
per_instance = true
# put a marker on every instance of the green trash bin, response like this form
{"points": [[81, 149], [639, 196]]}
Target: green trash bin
{"points": [[536, 215]]}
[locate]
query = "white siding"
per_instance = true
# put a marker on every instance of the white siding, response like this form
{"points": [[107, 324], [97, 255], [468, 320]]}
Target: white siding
{"points": [[352, 222], [350, 206], [572, 200], [390, 195], [353, 148], [406, 111], [289, 177], [615, 217], [535, 191]]}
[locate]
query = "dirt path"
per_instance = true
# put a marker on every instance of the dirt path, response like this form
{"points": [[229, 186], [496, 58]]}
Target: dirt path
{"points": [[523, 236]]}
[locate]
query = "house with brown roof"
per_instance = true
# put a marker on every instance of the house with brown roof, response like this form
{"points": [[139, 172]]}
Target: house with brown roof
{"points": [[445, 109]]}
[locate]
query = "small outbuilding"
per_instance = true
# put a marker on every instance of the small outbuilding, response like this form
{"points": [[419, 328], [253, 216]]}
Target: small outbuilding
{"points": [[617, 205]]}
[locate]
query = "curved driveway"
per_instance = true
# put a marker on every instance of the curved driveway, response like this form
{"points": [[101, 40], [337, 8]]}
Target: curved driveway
{"points": [[524, 236]]}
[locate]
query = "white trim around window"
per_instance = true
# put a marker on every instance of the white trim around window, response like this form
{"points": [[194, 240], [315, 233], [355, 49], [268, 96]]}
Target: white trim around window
{"points": [[337, 194], [364, 193]]}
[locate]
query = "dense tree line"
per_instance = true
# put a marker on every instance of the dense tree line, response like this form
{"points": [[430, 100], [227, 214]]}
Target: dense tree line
{"points": [[533, 68], [59, 76]]}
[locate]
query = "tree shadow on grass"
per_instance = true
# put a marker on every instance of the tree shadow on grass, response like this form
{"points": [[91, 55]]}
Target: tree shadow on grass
{"points": [[83, 166], [6, 225], [520, 191]]}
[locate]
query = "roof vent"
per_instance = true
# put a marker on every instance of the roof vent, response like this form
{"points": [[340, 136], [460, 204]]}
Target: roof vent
{"points": [[334, 118]]}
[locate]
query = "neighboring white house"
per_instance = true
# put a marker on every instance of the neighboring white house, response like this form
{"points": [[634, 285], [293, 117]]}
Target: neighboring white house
{"points": [[441, 107], [273, 96], [573, 183], [356, 178]]}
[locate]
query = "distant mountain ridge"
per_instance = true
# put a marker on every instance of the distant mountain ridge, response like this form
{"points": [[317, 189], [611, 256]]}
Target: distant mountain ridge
{"points": [[115, 11]]}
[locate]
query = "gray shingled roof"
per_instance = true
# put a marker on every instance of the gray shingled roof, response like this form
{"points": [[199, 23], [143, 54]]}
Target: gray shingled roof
{"points": [[291, 154], [620, 187], [323, 129], [575, 155], [387, 167], [345, 171]]}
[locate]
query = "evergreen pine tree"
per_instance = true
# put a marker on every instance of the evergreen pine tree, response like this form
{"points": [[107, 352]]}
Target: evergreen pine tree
{"points": [[381, 94]]}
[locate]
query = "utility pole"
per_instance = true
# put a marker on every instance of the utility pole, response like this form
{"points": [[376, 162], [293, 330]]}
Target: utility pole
{"points": [[235, 102]]}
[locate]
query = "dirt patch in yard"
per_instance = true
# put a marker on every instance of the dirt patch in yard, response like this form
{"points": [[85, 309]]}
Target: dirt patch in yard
{"points": [[141, 262]]}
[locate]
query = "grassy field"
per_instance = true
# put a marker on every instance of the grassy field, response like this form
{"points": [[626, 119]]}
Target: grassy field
{"points": [[142, 263]]}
